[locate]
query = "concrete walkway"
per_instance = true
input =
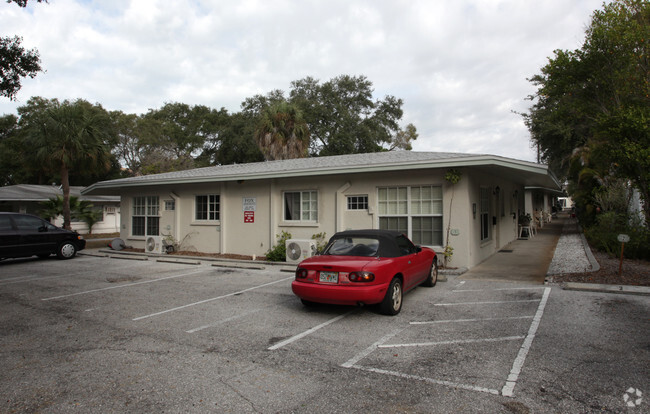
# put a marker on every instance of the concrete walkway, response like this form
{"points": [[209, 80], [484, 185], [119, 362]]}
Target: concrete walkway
{"points": [[522, 260]]}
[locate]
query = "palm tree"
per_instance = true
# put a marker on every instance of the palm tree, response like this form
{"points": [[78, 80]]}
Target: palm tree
{"points": [[282, 133], [71, 136]]}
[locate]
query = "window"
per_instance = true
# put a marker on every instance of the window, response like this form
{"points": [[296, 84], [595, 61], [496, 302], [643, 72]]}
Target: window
{"points": [[145, 220], [415, 211], [358, 202], [301, 206], [5, 224], [206, 207], [484, 211], [170, 205]]}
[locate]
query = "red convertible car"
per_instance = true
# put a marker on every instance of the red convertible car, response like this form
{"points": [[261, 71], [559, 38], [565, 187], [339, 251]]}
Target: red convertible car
{"points": [[365, 267]]}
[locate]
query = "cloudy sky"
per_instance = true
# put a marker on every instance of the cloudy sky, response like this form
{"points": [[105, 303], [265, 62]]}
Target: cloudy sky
{"points": [[459, 65]]}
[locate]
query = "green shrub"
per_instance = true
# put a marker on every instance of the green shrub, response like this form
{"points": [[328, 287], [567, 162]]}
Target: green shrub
{"points": [[604, 233], [278, 253], [321, 241]]}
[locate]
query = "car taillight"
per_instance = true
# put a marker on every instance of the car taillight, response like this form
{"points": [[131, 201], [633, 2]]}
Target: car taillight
{"points": [[301, 273], [361, 277]]}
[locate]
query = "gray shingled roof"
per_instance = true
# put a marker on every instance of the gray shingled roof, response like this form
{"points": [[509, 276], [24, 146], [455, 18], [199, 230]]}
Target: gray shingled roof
{"points": [[35, 192], [339, 164]]}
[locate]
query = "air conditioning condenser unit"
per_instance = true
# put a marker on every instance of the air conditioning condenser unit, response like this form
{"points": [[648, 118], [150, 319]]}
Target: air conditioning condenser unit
{"points": [[299, 250], [154, 244]]}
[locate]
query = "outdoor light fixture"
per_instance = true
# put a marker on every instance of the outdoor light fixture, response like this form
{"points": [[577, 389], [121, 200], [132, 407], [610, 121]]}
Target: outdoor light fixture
{"points": [[497, 190], [474, 210]]}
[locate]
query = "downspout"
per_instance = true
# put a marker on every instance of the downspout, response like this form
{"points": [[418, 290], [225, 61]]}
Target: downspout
{"points": [[222, 228], [177, 216], [272, 220], [340, 204]]}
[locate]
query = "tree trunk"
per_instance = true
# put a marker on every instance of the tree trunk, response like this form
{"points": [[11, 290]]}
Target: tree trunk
{"points": [[65, 184]]}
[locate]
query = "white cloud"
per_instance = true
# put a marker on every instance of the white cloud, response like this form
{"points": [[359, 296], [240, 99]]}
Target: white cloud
{"points": [[459, 65]]}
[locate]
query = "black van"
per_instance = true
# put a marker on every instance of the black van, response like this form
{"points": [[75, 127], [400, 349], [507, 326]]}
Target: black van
{"points": [[24, 235]]}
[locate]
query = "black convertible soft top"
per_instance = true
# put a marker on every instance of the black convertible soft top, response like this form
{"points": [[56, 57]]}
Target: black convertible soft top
{"points": [[388, 246]]}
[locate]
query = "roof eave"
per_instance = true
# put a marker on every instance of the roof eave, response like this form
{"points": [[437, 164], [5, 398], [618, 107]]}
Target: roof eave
{"points": [[469, 161]]}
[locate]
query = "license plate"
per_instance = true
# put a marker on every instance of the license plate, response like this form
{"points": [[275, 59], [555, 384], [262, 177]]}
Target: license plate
{"points": [[329, 277]]}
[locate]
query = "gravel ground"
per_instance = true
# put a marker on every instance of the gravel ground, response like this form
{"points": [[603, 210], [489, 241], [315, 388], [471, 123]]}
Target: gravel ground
{"points": [[571, 263]]}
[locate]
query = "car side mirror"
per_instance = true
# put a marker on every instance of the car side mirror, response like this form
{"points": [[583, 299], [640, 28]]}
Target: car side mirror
{"points": [[418, 249], [42, 229]]}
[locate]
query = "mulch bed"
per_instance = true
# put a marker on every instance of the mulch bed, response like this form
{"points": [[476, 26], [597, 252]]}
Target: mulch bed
{"points": [[634, 272]]}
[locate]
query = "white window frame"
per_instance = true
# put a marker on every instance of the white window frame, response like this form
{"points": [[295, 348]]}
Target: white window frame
{"points": [[398, 205], [149, 208], [357, 202], [485, 229], [213, 208], [307, 207]]}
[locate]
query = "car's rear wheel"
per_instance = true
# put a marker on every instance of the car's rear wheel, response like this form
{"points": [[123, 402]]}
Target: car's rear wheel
{"points": [[392, 303], [433, 275], [67, 250]]}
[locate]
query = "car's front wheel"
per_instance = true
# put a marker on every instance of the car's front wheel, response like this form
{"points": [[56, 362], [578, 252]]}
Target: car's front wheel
{"points": [[67, 250], [433, 275], [392, 303]]}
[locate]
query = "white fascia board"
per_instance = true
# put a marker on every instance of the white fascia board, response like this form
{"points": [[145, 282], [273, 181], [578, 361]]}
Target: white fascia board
{"points": [[470, 161]]}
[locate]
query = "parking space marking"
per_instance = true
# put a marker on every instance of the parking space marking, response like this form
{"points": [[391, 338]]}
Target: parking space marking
{"points": [[429, 380], [497, 289], [457, 341], [210, 300], [470, 320], [517, 366], [486, 303], [508, 388], [361, 355], [35, 278], [222, 321], [126, 285], [308, 332]]}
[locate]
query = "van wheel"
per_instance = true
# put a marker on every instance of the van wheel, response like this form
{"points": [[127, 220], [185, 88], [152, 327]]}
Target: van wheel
{"points": [[392, 303], [67, 250]]}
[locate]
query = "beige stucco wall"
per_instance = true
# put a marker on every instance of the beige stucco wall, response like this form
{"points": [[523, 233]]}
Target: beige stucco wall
{"points": [[231, 234]]}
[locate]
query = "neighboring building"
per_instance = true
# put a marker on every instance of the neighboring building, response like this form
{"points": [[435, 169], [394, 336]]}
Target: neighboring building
{"points": [[242, 208], [27, 198]]}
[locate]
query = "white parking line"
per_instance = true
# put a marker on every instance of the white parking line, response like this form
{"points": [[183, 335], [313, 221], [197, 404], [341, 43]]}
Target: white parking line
{"points": [[469, 320], [126, 285], [210, 300], [358, 357], [430, 380], [232, 318], [308, 332], [458, 341], [36, 278], [486, 303], [497, 289], [518, 364]]}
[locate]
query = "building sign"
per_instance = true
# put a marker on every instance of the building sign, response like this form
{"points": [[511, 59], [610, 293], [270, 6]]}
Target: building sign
{"points": [[249, 203], [249, 217]]}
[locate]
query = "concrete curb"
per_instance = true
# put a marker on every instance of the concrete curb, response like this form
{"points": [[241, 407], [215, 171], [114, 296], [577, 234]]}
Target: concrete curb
{"points": [[590, 256], [594, 287]]}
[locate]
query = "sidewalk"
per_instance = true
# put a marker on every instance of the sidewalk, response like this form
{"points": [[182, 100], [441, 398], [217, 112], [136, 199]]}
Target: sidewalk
{"points": [[522, 260], [559, 247]]}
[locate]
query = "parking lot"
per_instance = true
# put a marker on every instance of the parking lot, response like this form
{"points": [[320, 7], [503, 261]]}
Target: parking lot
{"points": [[100, 334]]}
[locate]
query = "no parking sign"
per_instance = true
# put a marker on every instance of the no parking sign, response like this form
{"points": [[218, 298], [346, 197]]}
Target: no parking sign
{"points": [[249, 204]]}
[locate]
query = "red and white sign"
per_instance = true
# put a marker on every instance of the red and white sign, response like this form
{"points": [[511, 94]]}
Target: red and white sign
{"points": [[249, 217]]}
